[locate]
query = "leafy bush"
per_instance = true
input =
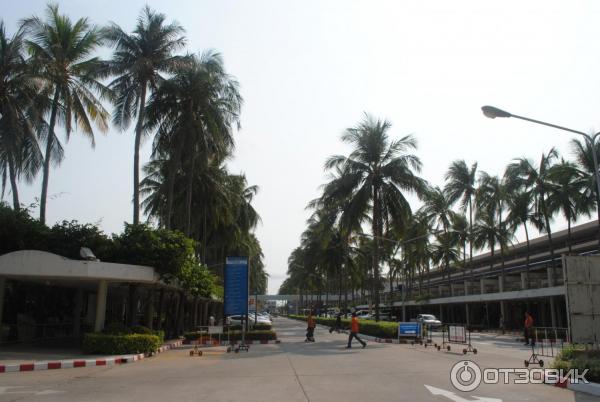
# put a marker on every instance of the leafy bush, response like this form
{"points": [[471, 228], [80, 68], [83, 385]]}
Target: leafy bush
{"points": [[381, 329], [120, 344], [575, 357]]}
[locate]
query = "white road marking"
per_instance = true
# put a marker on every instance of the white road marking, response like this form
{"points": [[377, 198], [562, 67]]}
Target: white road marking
{"points": [[457, 398], [7, 391]]}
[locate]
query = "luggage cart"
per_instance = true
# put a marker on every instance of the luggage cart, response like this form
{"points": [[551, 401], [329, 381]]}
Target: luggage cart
{"points": [[457, 334]]}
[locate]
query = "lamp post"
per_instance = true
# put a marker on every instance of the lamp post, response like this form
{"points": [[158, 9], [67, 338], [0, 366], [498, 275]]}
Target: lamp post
{"points": [[493, 112]]}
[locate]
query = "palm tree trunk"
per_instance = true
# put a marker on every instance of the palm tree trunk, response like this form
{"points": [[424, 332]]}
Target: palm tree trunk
{"points": [[528, 251], [48, 155], [375, 230], [13, 183], [188, 204], [139, 128], [569, 233]]}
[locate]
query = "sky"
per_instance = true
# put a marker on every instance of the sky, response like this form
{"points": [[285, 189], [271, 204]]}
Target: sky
{"points": [[310, 69]]}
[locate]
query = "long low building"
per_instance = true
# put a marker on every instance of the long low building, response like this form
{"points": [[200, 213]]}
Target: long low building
{"points": [[44, 295]]}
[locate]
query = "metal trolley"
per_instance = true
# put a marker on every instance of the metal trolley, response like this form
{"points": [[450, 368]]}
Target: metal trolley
{"points": [[457, 334], [546, 342]]}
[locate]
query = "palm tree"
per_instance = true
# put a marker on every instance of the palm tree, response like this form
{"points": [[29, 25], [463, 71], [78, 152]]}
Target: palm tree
{"points": [[61, 54], [461, 185], [583, 156], [20, 116], [374, 177], [520, 213], [139, 60], [194, 112], [437, 208], [566, 193], [526, 176]]}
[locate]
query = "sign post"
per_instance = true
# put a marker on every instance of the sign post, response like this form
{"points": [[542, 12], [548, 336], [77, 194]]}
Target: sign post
{"points": [[236, 290]]}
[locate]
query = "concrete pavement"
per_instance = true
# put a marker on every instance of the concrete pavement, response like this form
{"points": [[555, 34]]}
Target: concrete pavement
{"points": [[290, 371]]}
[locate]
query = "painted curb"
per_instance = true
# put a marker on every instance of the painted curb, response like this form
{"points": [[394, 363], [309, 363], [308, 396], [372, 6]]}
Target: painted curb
{"points": [[207, 342], [590, 388], [63, 364]]}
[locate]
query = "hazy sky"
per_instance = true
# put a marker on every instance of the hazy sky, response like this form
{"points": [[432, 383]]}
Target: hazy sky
{"points": [[309, 69]]}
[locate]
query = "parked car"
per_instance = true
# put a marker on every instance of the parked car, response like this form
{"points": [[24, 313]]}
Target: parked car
{"points": [[364, 315], [430, 320]]}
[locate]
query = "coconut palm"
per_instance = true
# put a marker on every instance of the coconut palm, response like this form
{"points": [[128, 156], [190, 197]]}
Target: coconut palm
{"points": [[20, 115], [526, 176], [61, 53], [375, 176], [519, 204], [567, 193], [583, 156], [139, 59], [194, 113], [461, 185]]}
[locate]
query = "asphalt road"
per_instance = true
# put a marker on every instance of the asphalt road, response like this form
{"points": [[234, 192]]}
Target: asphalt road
{"points": [[290, 371]]}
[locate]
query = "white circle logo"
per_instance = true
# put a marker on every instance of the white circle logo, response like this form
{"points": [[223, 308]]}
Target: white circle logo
{"points": [[465, 375]]}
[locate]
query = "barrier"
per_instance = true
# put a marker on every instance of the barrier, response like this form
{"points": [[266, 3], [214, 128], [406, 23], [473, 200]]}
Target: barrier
{"points": [[412, 330], [546, 342], [207, 334], [457, 334]]}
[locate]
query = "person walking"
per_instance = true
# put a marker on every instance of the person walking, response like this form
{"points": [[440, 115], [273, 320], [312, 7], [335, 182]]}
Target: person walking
{"points": [[310, 328], [528, 329], [338, 323], [354, 328]]}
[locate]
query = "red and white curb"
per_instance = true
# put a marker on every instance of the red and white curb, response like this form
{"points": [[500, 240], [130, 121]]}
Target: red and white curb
{"points": [[591, 388], [63, 364]]}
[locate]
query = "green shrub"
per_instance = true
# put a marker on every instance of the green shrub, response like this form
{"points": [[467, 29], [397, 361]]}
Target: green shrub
{"points": [[576, 357], [120, 344], [381, 329]]}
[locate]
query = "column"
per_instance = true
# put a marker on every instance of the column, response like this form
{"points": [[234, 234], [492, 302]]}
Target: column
{"points": [[78, 302], [553, 312], [466, 288], [524, 280], [101, 305], [501, 283], [482, 284], [550, 273], [2, 291], [467, 321], [150, 310], [404, 313]]}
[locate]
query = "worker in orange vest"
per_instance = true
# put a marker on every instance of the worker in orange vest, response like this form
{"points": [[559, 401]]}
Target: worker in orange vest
{"points": [[310, 330], [528, 329], [354, 328]]}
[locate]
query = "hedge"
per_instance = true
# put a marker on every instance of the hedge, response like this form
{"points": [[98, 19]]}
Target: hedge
{"points": [[381, 329], [576, 357], [117, 328], [120, 344], [254, 335]]}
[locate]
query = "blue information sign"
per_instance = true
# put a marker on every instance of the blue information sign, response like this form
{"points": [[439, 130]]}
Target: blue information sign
{"points": [[409, 329], [236, 286]]}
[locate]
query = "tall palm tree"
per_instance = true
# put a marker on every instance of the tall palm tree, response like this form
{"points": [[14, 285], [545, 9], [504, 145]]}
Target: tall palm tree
{"points": [[61, 52], [567, 193], [194, 113], [461, 185], [528, 177], [583, 156], [20, 114], [139, 59], [520, 213], [375, 176]]}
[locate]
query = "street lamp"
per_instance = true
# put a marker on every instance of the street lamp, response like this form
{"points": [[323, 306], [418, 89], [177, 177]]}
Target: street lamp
{"points": [[493, 112]]}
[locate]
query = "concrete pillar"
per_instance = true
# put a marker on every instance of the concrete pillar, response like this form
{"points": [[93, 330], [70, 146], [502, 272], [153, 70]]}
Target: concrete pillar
{"points": [[101, 305], [2, 292], [441, 318], [404, 313], [524, 280], [550, 273], [78, 303], [501, 283], [553, 312], [503, 314], [467, 319], [150, 311], [482, 284], [205, 320], [466, 288]]}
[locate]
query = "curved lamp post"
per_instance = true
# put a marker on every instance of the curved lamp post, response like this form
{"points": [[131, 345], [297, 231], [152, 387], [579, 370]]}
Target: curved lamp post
{"points": [[493, 112]]}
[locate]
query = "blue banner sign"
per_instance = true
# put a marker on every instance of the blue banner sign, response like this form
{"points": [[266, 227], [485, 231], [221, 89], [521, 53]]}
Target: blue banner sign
{"points": [[236, 286], [412, 329]]}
